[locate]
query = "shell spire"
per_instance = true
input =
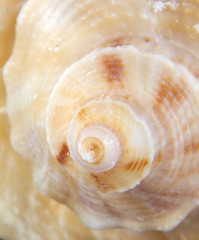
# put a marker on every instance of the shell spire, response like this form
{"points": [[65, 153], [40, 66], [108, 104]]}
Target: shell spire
{"points": [[107, 113], [105, 126]]}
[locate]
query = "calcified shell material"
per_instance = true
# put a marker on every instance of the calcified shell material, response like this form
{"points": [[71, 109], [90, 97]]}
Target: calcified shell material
{"points": [[107, 112]]}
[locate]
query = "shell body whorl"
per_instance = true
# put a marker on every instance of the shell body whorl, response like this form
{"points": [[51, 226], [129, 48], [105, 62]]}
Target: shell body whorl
{"points": [[108, 108]]}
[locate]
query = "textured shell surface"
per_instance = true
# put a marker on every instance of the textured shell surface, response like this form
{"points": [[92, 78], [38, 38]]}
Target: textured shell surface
{"points": [[107, 111]]}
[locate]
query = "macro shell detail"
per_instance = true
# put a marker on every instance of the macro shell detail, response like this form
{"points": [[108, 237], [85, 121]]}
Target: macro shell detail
{"points": [[108, 109], [100, 121]]}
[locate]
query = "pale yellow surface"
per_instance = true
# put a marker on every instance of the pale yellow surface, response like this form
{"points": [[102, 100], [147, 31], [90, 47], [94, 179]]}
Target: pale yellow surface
{"points": [[27, 214], [8, 13]]}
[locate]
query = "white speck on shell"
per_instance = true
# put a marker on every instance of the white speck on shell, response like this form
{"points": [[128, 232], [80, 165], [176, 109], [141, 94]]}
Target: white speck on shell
{"points": [[172, 4], [158, 6], [35, 96], [56, 49], [196, 27]]}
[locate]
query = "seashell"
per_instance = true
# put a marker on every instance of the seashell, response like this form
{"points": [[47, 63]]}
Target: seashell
{"points": [[107, 108]]}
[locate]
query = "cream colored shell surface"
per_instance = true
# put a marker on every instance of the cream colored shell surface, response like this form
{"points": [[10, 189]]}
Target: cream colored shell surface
{"points": [[102, 98]]}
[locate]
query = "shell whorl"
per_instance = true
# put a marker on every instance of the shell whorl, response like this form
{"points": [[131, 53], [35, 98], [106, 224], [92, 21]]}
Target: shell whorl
{"points": [[96, 148], [107, 116], [105, 127]]}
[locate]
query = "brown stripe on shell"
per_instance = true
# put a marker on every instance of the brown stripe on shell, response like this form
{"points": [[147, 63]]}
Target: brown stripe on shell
{"points": [[82, 114], [142, 164], [100, 183], [170, 92], [173, 94], [132, 165], [169, 97], [187, 148], [64, 154], [157, 158], [113, 68], [137, 165], [147, 39], [195, 147], [192, 146]]}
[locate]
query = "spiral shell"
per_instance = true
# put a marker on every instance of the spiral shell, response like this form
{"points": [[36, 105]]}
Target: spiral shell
{"points": [[107, 108]]}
